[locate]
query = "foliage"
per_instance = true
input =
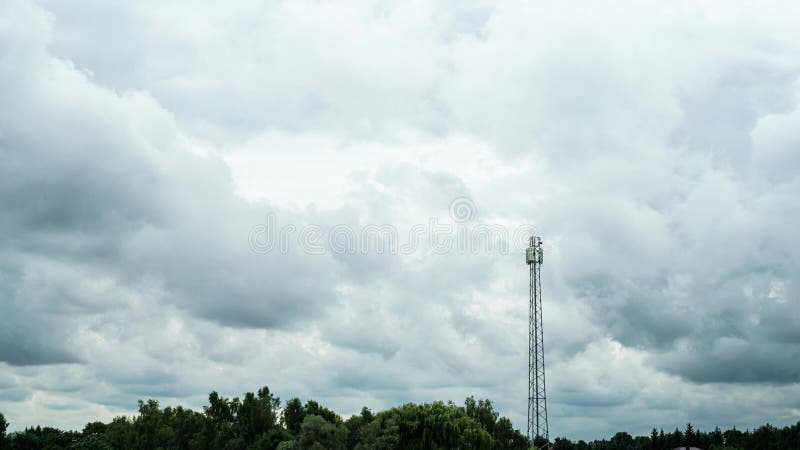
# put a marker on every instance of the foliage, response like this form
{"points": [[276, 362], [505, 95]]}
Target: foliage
{"points": [[3, 428], [293, 416], [257, 422], [766, 437]]}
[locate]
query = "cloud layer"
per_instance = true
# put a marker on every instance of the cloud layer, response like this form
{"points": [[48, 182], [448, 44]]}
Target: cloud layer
{"points": [[655, 149]]}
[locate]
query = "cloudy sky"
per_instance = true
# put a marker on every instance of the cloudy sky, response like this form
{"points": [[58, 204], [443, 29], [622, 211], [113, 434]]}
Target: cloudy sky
{"points": [[151, 154]]}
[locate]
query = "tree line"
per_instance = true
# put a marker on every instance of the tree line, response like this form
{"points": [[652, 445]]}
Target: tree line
{"points": [[259, 421], [766, 437]]}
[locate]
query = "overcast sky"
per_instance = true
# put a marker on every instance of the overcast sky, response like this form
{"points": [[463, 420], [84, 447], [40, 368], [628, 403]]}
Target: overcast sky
{"points": [[147, 150]]}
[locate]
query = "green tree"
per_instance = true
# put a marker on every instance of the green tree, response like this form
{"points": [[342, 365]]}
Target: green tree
{"points": [[508, 438], [187, 428], [674, 439], [355, 424], [317, 433], [257, 415], [654, 440], [483, 412], [382, 433], [733, 437], [94, 429], [271, 440], [642, 442], [3, 428], [622, 441], [119, 433], [91, 442], [46, 438], [149, 428], [289, 445], [765, 437], [439, 425], [293, 415], [313, 408], [716, 437], [562, 443], [689, 436], [220, 412]]}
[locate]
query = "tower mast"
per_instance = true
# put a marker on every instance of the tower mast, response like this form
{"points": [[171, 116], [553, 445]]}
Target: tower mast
{"points": [[537, 399]]}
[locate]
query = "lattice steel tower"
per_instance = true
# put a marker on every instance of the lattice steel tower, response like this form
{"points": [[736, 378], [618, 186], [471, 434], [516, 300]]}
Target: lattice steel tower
{"points": [[537, 399]]}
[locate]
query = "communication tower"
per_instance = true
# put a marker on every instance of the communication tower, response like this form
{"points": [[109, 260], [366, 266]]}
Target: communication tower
{"points": [[537, 399]]}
